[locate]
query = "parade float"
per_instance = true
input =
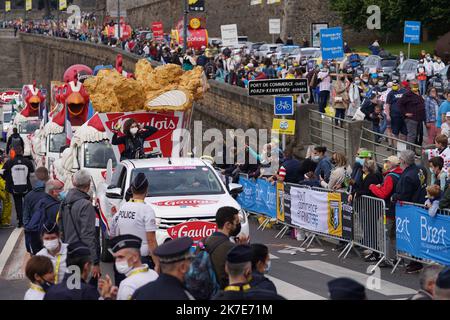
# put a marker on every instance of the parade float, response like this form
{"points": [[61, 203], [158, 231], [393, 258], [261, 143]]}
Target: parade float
{"points": [[162, 97], [27, 120], [69, 109]]}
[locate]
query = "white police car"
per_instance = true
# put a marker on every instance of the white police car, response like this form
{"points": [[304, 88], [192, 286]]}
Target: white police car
{"points": [[180, 190]]}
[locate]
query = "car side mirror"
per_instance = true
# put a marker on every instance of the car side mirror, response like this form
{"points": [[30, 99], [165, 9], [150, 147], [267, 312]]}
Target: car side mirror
{"points": [[235, 189], [115, 193]]}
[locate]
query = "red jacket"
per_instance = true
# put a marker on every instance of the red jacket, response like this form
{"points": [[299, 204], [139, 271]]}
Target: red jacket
{"points": [[385, 190]]}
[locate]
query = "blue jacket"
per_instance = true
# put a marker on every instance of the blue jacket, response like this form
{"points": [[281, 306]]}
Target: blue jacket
{"points": [[408, 185], [31, 200], [324, 169], [431, 105], [50, 205]]}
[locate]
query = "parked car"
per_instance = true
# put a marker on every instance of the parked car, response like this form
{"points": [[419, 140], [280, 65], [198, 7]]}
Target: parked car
{"points": [[266, 50], [372, 64], [406, 71], [284, 52], [305, 53], [440, 82]]}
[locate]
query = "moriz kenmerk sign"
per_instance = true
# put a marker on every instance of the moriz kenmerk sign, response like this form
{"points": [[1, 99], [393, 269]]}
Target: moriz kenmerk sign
{"points": [[277, 87]]}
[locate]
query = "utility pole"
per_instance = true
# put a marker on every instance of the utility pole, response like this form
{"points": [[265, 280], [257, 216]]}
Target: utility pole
{"points": [[185, 25], [118, 20]]}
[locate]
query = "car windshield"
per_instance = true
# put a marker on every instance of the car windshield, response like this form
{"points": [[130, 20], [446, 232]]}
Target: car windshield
{"points": [[389, 63], [288, 50], [408, 66], [57, 141], [308, 53], [29, 126], [180, 181], [97, 154], [7, 117]]}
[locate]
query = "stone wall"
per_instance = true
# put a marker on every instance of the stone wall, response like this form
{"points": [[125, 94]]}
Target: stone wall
{"points": [[252, 21], [10, 68]]}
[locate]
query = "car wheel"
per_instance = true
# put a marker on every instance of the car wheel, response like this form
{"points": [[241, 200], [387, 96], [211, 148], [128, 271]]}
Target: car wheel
{"points": [[105, 255]]}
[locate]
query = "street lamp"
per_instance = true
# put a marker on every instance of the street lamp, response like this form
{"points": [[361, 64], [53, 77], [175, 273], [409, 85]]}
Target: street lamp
{"points": [[118, 20]]}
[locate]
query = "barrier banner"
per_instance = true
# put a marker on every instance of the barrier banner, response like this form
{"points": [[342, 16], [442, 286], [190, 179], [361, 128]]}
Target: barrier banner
{"points": [[318, 211], [259, 196], [422, 236]]}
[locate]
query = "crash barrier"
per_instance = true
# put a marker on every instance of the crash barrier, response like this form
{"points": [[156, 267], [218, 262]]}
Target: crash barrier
{"points": [[369, 227], [317, 211], [420, 237], [258, 197], [379, 145]]}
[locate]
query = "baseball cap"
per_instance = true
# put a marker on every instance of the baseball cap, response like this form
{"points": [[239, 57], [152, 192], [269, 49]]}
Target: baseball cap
{"points": [[393, 160], [365, 154]]}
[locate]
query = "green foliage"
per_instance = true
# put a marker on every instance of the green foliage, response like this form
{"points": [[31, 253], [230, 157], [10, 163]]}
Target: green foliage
{"points": [[434, 14]]}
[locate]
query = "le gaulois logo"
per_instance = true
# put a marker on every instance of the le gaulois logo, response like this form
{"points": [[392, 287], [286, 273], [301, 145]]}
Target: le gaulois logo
{"points": [[184, 203], [8, 96], [196, 230]]}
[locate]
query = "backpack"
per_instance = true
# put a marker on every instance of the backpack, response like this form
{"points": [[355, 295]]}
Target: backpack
{"points": [[40, 217], [16, 141], [201, 280]]}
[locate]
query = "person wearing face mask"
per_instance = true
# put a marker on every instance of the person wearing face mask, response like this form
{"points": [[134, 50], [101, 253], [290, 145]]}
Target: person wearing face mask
{"points": [[392, 174], [77, 218], [357, 172], [428, 64], [261, 265], [422, 77], [412, 106], [175, 257], [354, 94], [438, 65], [324, 164], [219, 243], [32, 240], [137, 218], [408, 189], [126, 249], [54, 249], [324, 80], [393, 112], [78, 263], [133, 139], [340, 98], [39, 270], [238, 266]]}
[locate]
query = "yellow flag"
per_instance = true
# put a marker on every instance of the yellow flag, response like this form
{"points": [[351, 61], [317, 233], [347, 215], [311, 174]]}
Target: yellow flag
{"points": [[29, 5], [62, 4], [7, 6]]}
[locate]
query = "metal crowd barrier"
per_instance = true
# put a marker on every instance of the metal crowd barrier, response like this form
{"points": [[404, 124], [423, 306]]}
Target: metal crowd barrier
{"points": [[369, 227], [401, 255]]}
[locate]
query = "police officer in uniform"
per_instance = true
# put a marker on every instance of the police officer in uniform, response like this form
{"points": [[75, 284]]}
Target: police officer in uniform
{"points": [[175, 259], [137, 218], [239, 269], [346, 289], [126, 249], [78, 256]]}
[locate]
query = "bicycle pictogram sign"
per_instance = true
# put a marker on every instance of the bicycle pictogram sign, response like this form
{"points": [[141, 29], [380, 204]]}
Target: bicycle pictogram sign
{"points": [[284, 106]]}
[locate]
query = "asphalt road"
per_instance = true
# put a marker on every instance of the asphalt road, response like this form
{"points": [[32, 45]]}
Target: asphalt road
{"points": [[298, 273]]}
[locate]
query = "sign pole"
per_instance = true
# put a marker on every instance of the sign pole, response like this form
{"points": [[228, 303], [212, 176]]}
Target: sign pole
{"points": [[409, 50], [283, 138], [185, 25], [118, 21]]}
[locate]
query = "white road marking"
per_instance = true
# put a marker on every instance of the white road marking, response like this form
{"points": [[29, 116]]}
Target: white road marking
{"points": [[292, 292], [9, 247], [386, 288], [272, 257]]}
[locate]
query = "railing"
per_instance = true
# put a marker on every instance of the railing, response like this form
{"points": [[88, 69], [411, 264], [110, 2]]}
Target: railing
{"points": [[325, 132]]}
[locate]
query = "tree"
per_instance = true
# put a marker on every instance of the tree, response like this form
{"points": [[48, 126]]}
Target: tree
{"points": [[432, 13]]}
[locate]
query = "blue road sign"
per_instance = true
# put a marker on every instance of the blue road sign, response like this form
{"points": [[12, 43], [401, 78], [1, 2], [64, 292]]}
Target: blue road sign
{"points": [[412, 32], [331, 43], [284, 106]]}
